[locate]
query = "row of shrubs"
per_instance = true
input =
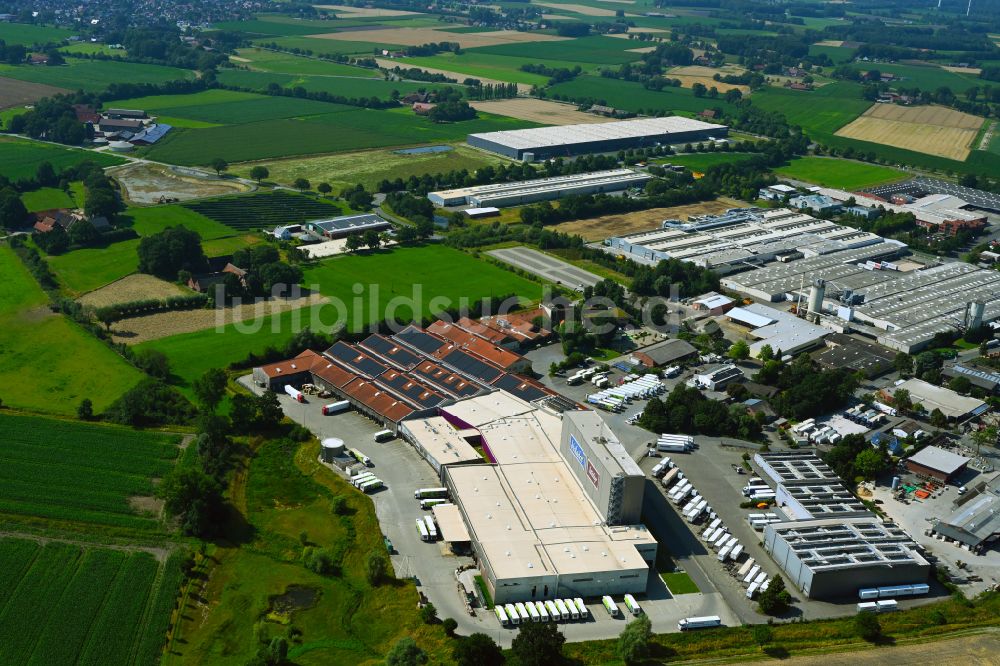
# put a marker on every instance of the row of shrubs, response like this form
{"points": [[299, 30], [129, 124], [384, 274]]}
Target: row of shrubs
{"points": [[146, 306]]}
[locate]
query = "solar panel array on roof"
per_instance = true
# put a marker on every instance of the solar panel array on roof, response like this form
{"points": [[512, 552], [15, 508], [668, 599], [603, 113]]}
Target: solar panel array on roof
{"points": [[391, 350], [519, 387], [418, 339], [446, 380], [413, 391], [350, 356], [471, 366]]}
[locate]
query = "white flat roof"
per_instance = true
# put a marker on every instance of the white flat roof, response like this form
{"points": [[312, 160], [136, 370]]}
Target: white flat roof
{"points": [[539, 137], [934, 397], [441, 441], [751, 319], [449, 520], [940, 459]]}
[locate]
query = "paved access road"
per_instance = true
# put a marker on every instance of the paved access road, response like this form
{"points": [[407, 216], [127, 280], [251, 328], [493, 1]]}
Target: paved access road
{"points": [[544, 266]]}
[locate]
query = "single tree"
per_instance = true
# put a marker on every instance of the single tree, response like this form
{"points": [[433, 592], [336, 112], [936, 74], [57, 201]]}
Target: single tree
{"points": [[372, 239], [903, 363], [449, 624], [376, 567], [869, 463], [775, 599], [938, 419], [301, 184], [739, 351], [867, 626], [765, 354], [219, 165], [324, 188], [210, 387], [354, 242], [259, 173], [406, 652], [538, 644], [633, 643], [477, 650], [338, 505], [762, 634], [901, 400], [85, 412]]}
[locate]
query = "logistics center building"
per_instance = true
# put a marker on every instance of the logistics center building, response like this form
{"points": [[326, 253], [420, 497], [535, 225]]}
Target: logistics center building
{"points": [[540, 189], [542, 143], [539, 525]]}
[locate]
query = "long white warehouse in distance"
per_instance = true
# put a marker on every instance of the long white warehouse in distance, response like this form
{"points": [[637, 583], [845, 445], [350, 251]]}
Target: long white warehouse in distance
{"points": [[542, 143], [540, 189]]}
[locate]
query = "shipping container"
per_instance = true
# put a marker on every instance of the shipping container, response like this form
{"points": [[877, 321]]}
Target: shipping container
{"points": [[868, 593], [887, 605]]}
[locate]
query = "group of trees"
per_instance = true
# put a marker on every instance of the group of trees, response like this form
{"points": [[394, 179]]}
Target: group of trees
{"points": [[492, 90], [52, 119], [687, 410], [806, 390], [166, 253], [264, 272], [853, 457]]}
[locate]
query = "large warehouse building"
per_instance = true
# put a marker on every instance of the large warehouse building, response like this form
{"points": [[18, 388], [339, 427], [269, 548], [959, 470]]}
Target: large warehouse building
{"points": [[536, 529], [542, 143], [540, 189], [832, 545]]}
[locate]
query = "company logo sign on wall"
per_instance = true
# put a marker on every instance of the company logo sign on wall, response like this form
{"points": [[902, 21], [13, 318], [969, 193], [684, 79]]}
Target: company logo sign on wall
{"points": [[577, 451], [593, 474]]}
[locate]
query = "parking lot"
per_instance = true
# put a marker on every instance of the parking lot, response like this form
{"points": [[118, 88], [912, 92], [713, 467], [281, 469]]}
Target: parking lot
{"points": [[433, 565], [546, 267]]}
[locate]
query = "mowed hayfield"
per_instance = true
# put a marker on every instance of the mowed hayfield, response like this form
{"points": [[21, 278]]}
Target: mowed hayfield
{"points": [[286, 63], [229, 107], [350, 87], [28, 34], [420, 36], [820, 111], [48, 363], [692, 74], [539, 111], [19, 158], [136, 287], [348, 130], [94, 75], [934, 130], [599, 228], [47, 198], [69, 604], [370, 166], [837, 173], [18, 93], [73, 472], [487, 67]]}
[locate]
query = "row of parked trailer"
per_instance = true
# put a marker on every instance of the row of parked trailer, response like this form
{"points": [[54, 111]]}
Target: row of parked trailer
{"points": [[893, 591], [759, 521], [367, 482], [817, 433], [427, 529], [883, 606], [675, 443], [586, 374], [615, 398], [758, 491], [870, 418], [554, 610]]}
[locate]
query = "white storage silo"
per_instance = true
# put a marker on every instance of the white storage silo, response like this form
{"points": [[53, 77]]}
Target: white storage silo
{"points": [[332, 448]]}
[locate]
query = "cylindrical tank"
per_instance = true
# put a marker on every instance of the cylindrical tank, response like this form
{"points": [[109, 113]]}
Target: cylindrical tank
{"points": [[816, 295], [895, 482], [974, 315], [528, 157], [331, 448], [121, 146]]}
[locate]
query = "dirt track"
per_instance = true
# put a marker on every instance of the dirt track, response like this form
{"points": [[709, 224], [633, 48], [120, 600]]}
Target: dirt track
{"points": [[539, 111], [599, 228]]}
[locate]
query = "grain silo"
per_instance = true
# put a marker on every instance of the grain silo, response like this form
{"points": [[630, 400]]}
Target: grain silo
{"points": [[332, 448]]}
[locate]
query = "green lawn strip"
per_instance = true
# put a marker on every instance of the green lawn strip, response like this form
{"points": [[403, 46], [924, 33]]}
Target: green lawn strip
{"points": [[94, 75], [47, 198], [286, 63], [632, 96], [33, 337], [29, 34], [703, 161], [80, 271], [837, 173], [679, 582], [19, 158]]}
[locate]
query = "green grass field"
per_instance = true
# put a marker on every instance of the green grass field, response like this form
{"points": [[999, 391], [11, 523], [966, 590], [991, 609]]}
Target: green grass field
{"points": [[28, 34], [67, 604], [46, 198], [841, 174], [821, 111], [334, 85], [331, 133], [371, 166], [328, 46], [412, 277], [596, 49], [272, 25], [34, 343], [286, 63], [90, 48], [68, 471], [20, 158], [94, 75], [228, 107], [925, 77], [150, 220], [481, 64], [702, 161], [632, 96], [87, 269], [838, 54]]}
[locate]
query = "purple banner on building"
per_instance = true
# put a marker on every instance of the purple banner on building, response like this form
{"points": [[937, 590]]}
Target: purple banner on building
{"points": [[593, 474]]}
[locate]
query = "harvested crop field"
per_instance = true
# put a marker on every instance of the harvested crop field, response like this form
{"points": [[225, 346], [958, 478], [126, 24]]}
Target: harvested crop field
{"points": [[975, 71], [136, 287], [144, 183], [976, 650], [585, 10], [389, 63], [419, 36], [644, 49], [599, 228], [19, 93], [136, 330], [693, 74], [830, 42], [636, 30], [539, 111], [934, 130], [344, 11]]}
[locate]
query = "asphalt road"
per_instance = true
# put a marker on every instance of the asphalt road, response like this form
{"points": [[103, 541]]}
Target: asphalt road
{"points": [[546, 267]]}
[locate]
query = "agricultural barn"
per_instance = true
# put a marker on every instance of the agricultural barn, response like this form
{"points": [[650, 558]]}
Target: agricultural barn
{"points": [[537, 524], [714, 304], [151, 134], [121, 114], [542, 143], [938, 463], [408, 374], [339, 227]]}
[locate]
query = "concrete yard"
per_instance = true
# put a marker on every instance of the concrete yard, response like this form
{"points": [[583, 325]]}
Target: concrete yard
{"points": [[546, 267]]}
